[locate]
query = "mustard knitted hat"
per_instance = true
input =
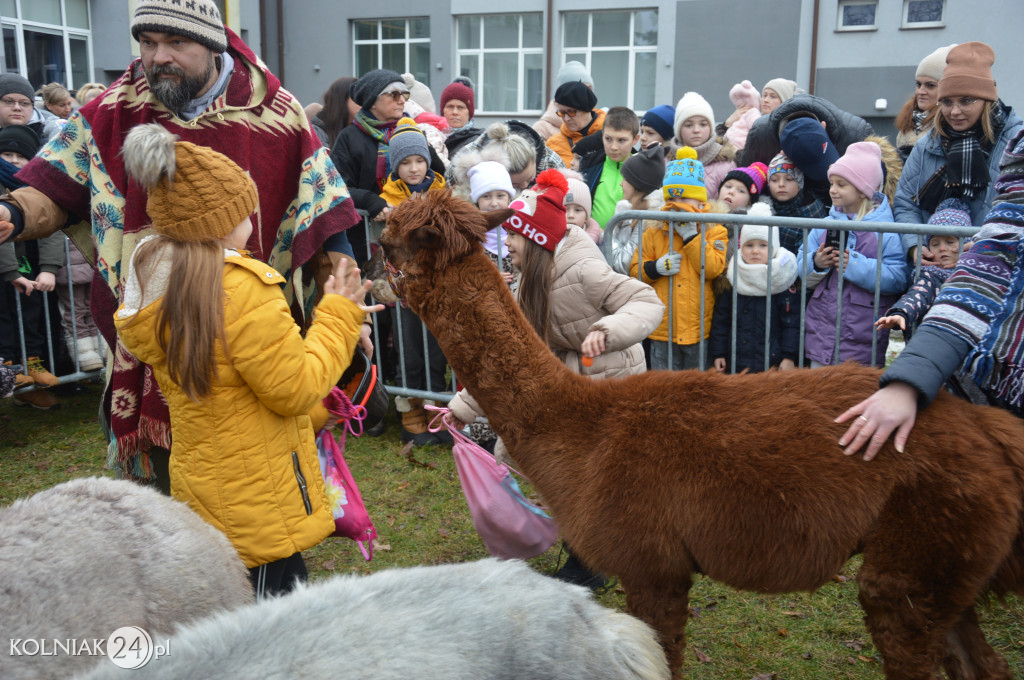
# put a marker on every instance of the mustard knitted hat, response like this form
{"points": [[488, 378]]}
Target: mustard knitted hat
{"points": [[684, 177], [195, 193]]}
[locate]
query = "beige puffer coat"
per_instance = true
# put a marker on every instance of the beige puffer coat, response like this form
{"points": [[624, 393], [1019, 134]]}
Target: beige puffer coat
{"points": [[587, 295]]}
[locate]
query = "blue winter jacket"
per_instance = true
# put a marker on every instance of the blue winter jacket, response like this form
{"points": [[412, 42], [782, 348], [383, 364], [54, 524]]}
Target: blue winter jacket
{"points": [[926, 159], [858, 309]]}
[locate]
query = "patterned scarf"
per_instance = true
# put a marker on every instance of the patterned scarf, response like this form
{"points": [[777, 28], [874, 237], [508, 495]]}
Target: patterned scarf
{"points": [[918, 118], [983, 303], [381, 132], [709, 150], [792, 238], [967, 156]]}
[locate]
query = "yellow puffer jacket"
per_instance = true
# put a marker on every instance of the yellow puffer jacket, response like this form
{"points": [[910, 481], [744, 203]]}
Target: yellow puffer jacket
{"points": [[657, 242], [562, 141], [244, 457]]}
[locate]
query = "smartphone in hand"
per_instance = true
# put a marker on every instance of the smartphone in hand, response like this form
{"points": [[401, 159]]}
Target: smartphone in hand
{"points": [[832, 239]]}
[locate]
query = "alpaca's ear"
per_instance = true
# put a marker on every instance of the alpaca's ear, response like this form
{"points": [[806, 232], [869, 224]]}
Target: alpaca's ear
{"points": [[424, 237], [496, 217]]}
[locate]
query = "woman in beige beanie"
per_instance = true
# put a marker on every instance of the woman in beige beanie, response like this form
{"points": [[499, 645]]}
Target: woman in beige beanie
{"points": [[915, 118], [959, 157]]}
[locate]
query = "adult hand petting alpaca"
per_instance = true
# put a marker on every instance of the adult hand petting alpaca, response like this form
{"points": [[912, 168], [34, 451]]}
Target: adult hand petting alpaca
{"points": [[893, 408]]}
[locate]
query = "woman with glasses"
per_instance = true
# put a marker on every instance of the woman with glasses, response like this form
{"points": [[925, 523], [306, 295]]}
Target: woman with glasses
{"points": [[575, 104], [959, 157], [361, 150], [916, 117]]}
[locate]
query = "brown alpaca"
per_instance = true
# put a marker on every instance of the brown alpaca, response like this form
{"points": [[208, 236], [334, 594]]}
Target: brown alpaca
{"points": [[660, 476]]}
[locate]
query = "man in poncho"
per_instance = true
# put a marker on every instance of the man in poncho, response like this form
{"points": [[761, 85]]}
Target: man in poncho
{"points": [[199, 80]]}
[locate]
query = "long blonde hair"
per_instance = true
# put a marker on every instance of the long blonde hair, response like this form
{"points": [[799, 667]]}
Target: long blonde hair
{"points": [[190, 319]]}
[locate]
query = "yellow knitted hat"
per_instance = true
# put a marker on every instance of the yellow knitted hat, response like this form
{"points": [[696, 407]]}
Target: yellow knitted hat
{"points": [[195, 193], [684, 177]]}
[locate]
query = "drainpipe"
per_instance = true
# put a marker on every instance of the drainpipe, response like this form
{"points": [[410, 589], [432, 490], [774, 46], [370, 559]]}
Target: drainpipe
{"points": [[814, 49], [547, 79], [263, 30], [280, 40]]}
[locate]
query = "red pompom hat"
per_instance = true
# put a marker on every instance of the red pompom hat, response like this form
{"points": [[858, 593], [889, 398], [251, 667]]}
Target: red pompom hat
{"points": [[539, 213]]}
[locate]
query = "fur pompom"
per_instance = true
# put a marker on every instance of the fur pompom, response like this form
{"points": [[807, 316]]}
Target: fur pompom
{"points": [[149, 154], [760, 210], [552, 178]]}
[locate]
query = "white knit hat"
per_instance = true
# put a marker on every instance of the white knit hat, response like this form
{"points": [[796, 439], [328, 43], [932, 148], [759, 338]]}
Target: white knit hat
{"points": [[578, 194], [489, 176], [692, 104], [783, 87], [934, 64], [749, 232]]}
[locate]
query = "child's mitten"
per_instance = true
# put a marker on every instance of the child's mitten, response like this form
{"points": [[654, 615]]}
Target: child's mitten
{"points": [[669, 264]]}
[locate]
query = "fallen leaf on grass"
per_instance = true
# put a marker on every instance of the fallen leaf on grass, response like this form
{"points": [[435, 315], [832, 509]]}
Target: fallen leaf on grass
{"points": [[403, 486], [807, 655], [377, 545], [855, 645], [701, 656], [328, 565], [841, 578], [782, 632], [765, 676], [444, 533], [797, 614], [865, 659]]}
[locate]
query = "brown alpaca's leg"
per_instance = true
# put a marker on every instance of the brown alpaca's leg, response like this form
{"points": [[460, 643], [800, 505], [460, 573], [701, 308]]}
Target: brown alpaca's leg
{"points": [[968, 654], [664, 607]]}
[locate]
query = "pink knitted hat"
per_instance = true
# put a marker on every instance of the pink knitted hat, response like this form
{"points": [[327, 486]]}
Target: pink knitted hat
{"points": [[745, 94], [861, 166]]}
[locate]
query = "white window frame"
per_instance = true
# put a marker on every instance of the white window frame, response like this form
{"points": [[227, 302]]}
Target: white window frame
{"points": [[380, 42], [631, 48], [848, 3], [941, 23], [480, 52], [66, 32]]}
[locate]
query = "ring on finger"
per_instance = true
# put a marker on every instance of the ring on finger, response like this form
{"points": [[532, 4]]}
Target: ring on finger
{"points": [[862, 418]]}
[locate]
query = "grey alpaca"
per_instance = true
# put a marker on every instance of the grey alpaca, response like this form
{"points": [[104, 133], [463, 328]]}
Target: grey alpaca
{"points": [[91, 555], [487, 620]]}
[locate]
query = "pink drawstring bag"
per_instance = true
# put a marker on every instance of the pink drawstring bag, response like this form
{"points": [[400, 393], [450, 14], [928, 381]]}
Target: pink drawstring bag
{"points": [[350, 516], [511, 526]]}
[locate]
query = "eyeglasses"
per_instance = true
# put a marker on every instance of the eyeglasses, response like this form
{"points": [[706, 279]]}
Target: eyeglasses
{"points": [[397, 95], [963, 103], [6, 101], [568, 113]]}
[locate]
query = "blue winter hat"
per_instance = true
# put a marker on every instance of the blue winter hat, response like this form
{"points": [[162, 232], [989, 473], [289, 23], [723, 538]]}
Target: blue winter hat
{"points": [[660, 118], [951, 212], [807, 144]]}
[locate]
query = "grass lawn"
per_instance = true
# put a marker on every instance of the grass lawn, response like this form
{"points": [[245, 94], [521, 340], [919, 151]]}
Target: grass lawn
{"points": [[421, 518]]}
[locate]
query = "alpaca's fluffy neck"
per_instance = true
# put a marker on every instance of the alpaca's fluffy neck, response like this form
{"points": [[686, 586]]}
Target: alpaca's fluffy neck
{"points": [[490, 345]]}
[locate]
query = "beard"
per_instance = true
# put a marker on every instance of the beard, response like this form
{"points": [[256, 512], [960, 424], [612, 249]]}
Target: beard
{"points": [[176, 95]]}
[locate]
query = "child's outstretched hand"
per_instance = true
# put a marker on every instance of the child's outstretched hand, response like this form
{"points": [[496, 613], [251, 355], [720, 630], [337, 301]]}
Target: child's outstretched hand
{"points": [[345, 281], [892, 322]]}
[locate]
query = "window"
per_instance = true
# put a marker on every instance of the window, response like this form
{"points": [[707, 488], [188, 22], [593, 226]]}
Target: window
{"points": [[503, 55], [47, 41], [402, 45], [620, 49], [923, 13], [857, 15]]}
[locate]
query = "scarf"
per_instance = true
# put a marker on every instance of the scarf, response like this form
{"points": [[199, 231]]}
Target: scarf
{"points": [[752, 279], [381, 132], [709, 150], [967, 156], [792, 238], [918, 118], [7, 172], [982, 303], [303, 201]]}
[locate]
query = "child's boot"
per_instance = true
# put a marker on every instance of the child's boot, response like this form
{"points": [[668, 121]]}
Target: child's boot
{"points": [[88, 358], [414, 422], [39, 373], [21, 379], [40, 399]]}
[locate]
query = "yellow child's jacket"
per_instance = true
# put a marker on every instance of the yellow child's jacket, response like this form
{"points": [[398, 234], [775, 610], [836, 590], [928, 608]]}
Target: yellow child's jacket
{"points": [[658, 241], [244, 457], [395, 190]]}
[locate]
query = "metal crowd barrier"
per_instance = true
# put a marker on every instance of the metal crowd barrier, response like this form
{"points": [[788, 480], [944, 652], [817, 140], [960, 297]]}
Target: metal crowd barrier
{"points": [[438, 393], [801, 223]]}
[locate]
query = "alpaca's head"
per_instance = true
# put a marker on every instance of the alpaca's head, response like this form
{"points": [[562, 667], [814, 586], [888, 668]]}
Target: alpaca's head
{"points": [[430, 231]]}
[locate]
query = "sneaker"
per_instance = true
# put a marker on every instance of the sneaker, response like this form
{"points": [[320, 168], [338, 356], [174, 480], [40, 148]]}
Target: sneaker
{"points": [[21, 379], [40, 399], [39, 373]]}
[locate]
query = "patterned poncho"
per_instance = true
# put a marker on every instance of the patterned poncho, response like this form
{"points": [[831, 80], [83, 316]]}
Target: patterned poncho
{"points": [[256, 123]]}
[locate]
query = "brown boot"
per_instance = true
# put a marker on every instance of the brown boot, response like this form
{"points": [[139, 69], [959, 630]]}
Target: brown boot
{"points": [[414, 425], [40, 399]]}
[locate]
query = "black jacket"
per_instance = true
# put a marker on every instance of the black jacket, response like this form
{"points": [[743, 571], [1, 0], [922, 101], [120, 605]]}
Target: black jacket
{"points": [[763, 139], [784, 337]]}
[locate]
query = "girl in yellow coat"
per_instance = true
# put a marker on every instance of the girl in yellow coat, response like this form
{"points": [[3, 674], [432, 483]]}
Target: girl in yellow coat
{"points": [[238, 377], [671, 263]]}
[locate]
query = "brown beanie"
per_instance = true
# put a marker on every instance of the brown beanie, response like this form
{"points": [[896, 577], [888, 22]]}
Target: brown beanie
{"points": [[195, 193], [969, 72]]}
